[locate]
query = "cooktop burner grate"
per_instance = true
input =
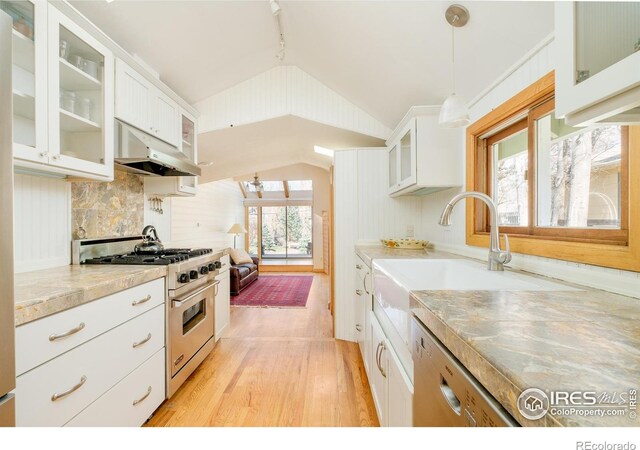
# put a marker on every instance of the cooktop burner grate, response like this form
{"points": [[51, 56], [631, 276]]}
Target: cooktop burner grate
{"points": [[164, 257]]}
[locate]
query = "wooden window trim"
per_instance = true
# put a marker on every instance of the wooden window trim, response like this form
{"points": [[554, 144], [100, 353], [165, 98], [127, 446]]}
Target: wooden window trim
{"points": [[621, 253]]}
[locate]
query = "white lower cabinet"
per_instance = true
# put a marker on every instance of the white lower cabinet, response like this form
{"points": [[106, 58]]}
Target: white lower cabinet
{"points": [[400, 393], [378, 371], [391, 388], [126, 348], [131, 401], [222, 304]]}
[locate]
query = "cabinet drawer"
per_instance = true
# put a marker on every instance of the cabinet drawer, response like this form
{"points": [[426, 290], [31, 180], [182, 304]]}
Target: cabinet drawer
{"points": [[101, 363], [127, 403], [36, 342]]}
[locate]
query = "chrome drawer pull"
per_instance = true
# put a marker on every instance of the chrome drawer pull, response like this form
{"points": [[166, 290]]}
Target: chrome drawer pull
{"points": [[144, 341], [179, 360], [55, 397], [141, 301], [54, 337], [143, 398]]}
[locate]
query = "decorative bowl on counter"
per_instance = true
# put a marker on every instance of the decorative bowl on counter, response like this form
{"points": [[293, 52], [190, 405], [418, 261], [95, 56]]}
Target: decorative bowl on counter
{"points": [[415, 244]]}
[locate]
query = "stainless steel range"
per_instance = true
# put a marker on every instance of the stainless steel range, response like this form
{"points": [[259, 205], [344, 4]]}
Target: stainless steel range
{"points": [[191, 289]]}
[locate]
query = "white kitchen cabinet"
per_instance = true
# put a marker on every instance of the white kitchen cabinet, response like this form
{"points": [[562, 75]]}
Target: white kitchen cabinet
{"points": [[130, 402], [179, 186], [165, 118], [400, 393], [34, 343], [81, 133], [379, 371], [423, 157], [222, 303], [70, 360], [598, 62], [76, 140], [362, 299], [29, 44], [53, 393], [133, 92], [391, 388], [139, 103]]}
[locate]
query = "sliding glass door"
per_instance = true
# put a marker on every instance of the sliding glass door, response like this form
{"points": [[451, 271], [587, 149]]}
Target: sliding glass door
{"points": [[280, 231]]}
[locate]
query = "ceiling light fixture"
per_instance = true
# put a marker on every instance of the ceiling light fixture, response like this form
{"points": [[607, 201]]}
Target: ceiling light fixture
{"points": [[454, 112], [323, 151], [257, 183]]}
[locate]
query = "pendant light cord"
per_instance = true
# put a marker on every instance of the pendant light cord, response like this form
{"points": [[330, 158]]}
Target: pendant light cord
{"points": [[453, 53]]}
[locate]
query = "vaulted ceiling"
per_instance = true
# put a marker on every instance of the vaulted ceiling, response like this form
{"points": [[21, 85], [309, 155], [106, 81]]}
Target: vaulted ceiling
{"points": [[382, 56]]}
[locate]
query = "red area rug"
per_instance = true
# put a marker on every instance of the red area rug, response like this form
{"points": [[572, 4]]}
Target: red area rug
{"points": [[276, 291]]}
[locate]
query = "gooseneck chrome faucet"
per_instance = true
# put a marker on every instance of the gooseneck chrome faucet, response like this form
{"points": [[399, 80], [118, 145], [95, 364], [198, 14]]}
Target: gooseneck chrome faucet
{"points": [[497, 257]]}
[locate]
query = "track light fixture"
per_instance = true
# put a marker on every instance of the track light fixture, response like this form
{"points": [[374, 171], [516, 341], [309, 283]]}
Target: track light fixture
{"points": [[275, 7]]}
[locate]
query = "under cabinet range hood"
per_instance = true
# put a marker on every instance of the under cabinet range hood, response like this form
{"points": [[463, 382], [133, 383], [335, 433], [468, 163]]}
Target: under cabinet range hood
{"points": [[141, 153]]}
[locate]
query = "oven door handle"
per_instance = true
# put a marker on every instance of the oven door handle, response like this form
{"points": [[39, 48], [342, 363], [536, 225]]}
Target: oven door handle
{"points": [[179, 303]]}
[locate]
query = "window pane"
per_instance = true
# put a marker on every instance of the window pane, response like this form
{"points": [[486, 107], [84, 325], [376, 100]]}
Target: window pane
{"points": [[253, 230], [300, 185], [299, 225], [273, 186], [511, 191], [274, 229], [579, 173]]}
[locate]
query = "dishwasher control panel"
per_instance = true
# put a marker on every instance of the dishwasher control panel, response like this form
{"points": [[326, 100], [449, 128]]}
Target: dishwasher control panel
{"points": [[445, 392]]}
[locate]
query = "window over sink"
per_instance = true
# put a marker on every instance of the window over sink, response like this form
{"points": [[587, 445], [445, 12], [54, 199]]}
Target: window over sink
{"points": [[562, 192]]}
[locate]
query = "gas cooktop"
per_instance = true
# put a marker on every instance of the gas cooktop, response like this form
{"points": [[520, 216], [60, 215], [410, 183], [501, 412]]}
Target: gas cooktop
{"points": [[159, 258]]}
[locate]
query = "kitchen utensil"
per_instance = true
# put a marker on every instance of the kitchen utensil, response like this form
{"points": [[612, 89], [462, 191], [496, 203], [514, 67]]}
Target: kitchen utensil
{"points": [[64, 49], [84, 108], [68, 101], [410, 244], [90, 67], [77, 61]]}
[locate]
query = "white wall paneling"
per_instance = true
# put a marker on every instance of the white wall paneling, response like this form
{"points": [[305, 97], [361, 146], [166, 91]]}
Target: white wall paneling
{"points": [[203, 220], [281, 91], [346, 234], [532, 67], [42, 223], [364, 213]]}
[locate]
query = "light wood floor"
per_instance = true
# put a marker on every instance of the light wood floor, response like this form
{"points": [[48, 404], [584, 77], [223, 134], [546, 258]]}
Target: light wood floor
{"points": [[276, 367]]}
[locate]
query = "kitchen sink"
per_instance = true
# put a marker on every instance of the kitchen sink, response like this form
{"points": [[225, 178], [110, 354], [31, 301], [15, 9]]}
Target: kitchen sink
{"points": [[460, 275], [393, 279]]}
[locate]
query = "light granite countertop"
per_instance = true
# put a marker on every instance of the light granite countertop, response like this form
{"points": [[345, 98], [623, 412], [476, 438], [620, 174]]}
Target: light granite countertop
{"points": [[44, 292], [586, 340]]}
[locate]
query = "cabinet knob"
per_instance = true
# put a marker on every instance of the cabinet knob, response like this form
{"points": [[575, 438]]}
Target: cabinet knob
{"points": [[358, 327], [44, 154], [358, 266], [359, 291], [55, 157]]}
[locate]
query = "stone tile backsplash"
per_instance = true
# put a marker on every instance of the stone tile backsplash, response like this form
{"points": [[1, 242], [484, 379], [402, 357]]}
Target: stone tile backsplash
{"points": [[108, 209]]}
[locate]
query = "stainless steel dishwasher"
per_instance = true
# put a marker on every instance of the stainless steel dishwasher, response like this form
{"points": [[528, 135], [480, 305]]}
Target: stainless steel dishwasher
{"points": [[445, 393]]}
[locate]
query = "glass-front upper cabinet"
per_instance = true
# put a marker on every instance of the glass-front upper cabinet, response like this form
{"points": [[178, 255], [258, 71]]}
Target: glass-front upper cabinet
{"points": [[188, 146], [408, 155], [402, 159], [393, 168], [81, 100], [598, 68], [29, 67]]}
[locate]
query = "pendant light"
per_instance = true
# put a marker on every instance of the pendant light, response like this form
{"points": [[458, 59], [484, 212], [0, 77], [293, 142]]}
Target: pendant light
{"points": [[454, 112]]}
